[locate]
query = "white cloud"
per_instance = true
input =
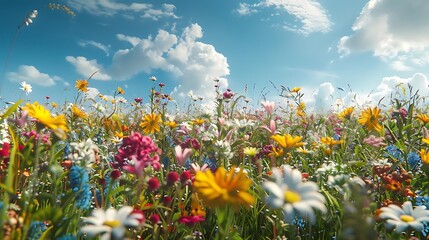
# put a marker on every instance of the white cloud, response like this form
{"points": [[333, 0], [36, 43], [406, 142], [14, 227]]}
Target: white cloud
{"points": [[32, 75], [111, 8], [392, 30], [86, 68], [310, 13], [194, 64], [102, 47], [246, 9]]}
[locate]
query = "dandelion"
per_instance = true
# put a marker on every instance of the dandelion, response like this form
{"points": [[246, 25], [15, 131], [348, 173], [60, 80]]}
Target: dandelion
{"points": [[288, 141], [151, 123], [369, 118], [223, 188], [346, 113], [294, 196], [26, 87], [82, 85], [403, 218], [39, 112], [250, 151], [112, 223]]}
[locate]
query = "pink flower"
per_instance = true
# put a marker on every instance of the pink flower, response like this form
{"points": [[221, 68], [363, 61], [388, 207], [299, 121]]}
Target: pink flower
{"points": [[272, 128], [190, 221], [268, 106], [182, 154], [196, 167], [374, 141]]}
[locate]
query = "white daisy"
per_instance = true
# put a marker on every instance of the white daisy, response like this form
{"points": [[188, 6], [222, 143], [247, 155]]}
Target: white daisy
{"points": [[406, 217], [111, 224], [26, 87], [295, 197]]}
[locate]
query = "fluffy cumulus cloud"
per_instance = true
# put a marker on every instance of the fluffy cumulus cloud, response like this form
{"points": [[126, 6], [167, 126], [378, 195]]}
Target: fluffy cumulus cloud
{"points": [[193, 63], [88, 68], [394, 30], [32, 75], [125, 8], [310, 13], [327, 97]]}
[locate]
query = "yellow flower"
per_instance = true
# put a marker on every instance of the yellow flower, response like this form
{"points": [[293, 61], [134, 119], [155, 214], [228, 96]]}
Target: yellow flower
{"points": [[288, 141], [198, 121], [77, 112], [276, 152], [423, 117], [369, 118], [54, 104], [171, 124], [250, 151], [303, 150], [119, 134], [425, 140], [150, 123], [82, 85], [424, 156], [120, 91], [43, 115], [295, 89], [224, 188], [346, 113], [330, 141]]}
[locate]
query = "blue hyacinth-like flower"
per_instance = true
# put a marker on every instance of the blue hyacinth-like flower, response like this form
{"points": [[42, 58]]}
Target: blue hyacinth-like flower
{"points": [[67, 237], [36, 230], [211, 162], [413, 159], [393, 152], [79, 181], [424, 201]]}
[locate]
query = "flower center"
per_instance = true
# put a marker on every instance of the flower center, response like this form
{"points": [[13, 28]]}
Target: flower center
{"points": [[112, 223], [291, 196], [407, 218]]}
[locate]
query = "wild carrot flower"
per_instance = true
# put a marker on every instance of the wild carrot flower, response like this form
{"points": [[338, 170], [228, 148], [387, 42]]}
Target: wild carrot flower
{"points": [[112, 223], [223, 188], [151, 123], [43, 115], [79, 183], [370, 119], [294, 196], [26, 87], [402, 218], [288, 141], [346, 113], [82, 85]]}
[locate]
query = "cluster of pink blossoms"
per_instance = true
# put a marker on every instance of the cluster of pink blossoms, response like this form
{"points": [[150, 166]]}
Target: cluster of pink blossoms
{"points": [[136, 153]]}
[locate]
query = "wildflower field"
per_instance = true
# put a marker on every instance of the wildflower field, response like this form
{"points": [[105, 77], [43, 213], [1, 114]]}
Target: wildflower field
{"points": [[100, 168]]}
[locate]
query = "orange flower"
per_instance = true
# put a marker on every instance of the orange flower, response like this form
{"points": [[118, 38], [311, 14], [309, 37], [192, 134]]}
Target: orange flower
{"points": [[288, 141], [369, 118]]}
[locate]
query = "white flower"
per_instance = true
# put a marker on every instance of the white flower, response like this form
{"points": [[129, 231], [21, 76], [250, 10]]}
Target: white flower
{"points": [[295, 197], [406, 217], [242, 123], [111, 224], [26, 87], [153, 78], [84, 152]]}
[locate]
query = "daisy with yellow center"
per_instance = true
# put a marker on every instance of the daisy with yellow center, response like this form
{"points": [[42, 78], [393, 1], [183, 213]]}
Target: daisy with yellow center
{"points": [[370, 119], [288, 141], [43, 115], [405, 217], [224, 188], [423, 118], [346, 113], [151, 123], [82, 85]]}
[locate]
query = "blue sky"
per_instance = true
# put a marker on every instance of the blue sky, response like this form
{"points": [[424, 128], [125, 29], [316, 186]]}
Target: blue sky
{"points": [[320, 46]]}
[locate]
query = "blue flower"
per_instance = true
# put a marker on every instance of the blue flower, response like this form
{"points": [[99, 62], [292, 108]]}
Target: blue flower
{"points": [[413, 159], [423, 201], [394, 152], [36, 230], [79, 181]]}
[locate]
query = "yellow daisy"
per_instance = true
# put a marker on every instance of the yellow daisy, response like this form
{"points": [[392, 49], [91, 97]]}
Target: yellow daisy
{"points": [[369, 118], [424, 155], [346, 113], [151, 123], [43, 115], [250, 151], [423, 117], [288, 141], [224, 188], [82, 85]]}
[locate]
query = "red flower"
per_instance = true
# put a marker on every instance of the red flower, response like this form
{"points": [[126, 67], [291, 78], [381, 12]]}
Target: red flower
{"points": [[153, 184], [190, 221], [172, 178]]}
